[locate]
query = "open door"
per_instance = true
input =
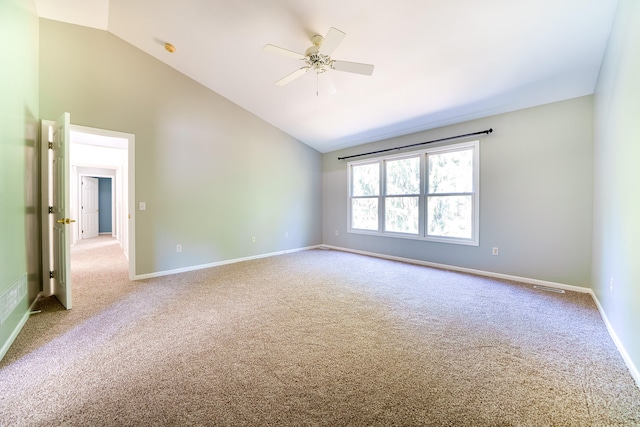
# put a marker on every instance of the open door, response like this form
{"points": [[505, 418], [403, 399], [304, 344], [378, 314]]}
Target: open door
{"points": [[60, 231], [89, 207]]}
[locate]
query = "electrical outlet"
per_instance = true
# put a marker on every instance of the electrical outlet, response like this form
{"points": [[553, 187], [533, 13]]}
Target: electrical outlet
{"points": [[253, 239], [495, 251], [337, 232], [611, 287], [286, 234], [178, 248]]}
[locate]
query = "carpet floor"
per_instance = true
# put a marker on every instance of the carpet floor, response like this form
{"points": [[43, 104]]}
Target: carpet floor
{"points": [[318, 337]]}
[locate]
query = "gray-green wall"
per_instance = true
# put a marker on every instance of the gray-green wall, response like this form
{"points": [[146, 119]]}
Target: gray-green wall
{"points": [[616, 225], [535, 196], [212, 174], [19, 154]]}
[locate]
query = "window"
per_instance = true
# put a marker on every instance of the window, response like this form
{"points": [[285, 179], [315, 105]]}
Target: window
{"points": [[402, 195], [365, 189], [430, 194]]}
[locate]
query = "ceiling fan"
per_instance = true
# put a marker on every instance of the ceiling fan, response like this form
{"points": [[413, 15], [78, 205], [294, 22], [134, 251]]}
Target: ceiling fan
{"points": [[318, 57]]}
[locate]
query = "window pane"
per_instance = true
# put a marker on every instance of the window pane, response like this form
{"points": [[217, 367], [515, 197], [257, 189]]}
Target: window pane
{"points": [[401, 214], [450, 216], [365, 180], [403, 176], [451, 172], [364, 214]]}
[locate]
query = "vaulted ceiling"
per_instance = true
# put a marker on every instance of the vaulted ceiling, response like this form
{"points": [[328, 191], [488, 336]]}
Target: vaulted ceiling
{"points": [[437, 62]]}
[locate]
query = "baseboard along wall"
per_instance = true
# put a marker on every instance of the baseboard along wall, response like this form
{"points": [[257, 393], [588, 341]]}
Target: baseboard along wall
{"points": [[219, 263], [14, 334]]}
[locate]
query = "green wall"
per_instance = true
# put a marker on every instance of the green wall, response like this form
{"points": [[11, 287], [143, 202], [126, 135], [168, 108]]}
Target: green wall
{"points": [[616, 234], [212, 174], [535, 196], [19, 179]]}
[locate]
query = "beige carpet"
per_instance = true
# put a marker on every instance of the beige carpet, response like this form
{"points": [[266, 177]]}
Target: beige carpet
{"points": [[318, 337]]}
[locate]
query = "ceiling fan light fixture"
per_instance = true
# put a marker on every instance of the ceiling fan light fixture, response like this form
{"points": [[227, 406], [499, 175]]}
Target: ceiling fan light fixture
{"points": [[318, 62]]}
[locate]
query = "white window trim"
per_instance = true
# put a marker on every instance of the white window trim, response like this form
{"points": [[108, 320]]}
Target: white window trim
{"points": [[422, 233]]}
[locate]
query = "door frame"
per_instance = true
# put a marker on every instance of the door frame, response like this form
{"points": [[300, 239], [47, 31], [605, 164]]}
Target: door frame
{"points": [[128, 210]]}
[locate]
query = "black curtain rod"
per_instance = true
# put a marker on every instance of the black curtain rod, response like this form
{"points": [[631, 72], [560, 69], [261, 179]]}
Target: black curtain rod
{"points": [[488, 131]]}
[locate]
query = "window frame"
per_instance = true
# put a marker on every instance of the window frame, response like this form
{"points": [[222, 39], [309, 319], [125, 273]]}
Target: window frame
{"points": [[423, 196]]}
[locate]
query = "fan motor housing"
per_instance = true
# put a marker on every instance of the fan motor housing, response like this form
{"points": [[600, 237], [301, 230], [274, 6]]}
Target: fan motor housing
{"points": [[313, 49]]}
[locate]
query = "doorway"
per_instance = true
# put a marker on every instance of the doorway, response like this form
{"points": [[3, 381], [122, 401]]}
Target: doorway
{"points": [[108, 155], [106, 206], [94, 152]]}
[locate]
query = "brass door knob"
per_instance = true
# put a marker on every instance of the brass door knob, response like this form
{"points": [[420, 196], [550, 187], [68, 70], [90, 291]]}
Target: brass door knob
{"points": [[65, 221]]}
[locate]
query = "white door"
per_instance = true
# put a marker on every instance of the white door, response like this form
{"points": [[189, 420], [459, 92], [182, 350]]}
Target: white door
{"points": [[61, 232], [89, 207]]}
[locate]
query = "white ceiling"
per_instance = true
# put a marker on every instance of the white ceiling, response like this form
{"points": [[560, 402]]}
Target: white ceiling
{"points": [[437, 62]]}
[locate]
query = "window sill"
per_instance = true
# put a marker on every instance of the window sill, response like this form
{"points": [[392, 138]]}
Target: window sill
{"points": [[449, 240]]}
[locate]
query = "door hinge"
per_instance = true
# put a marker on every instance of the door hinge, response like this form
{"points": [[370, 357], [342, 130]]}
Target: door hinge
{"points": [[51, 274], [50, 209], [50, 145]]}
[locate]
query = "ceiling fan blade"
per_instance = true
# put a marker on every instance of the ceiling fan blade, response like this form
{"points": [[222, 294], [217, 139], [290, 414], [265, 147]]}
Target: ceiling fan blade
{"points": [[299, 72], [282, 51], [331, 41], [352, 67]]}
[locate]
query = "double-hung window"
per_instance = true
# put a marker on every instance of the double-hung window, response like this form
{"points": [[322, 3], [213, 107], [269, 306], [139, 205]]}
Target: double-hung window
{"points": [[402, 195], [365, 196], [432, 194]]}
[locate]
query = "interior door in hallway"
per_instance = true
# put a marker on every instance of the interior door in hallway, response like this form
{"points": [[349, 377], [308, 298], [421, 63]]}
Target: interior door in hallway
{"points": [[89, 204]]}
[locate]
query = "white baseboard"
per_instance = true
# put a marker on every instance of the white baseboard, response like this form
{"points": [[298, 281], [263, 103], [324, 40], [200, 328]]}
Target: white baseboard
{"points": [[467, 270], [19, 326], [623, 352], [219, 263]]}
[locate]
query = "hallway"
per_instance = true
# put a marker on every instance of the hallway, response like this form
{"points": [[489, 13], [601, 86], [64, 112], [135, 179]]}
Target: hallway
{"points": [[99, 278]]}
